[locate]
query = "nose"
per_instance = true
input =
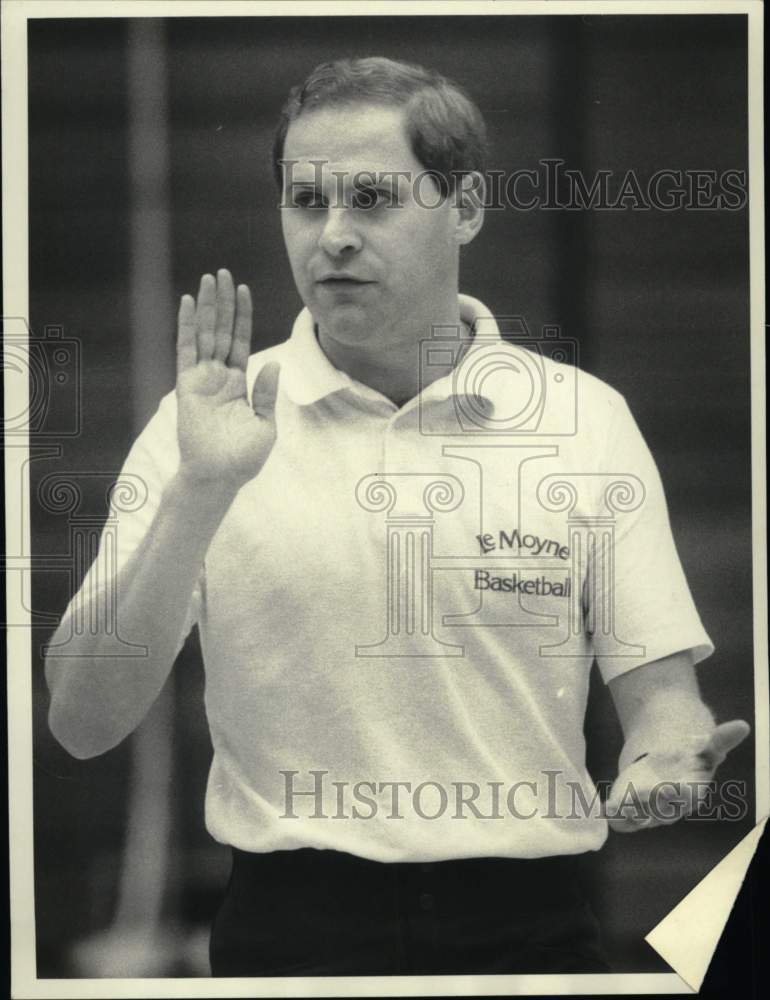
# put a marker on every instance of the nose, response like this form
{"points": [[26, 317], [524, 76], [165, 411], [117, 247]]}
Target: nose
{"points": [[340, 236]]}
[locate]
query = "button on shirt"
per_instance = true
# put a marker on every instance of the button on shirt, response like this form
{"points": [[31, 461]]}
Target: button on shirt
{"points": [[399, 614]]}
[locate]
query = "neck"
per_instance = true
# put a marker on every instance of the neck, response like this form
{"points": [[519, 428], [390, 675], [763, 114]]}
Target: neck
{"points": [[390, 361]]}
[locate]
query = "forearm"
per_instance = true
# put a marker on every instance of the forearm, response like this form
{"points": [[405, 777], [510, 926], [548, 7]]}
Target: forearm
{"points": [[98, 699]]}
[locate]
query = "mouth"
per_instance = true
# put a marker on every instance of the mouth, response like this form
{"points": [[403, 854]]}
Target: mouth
{"points": [[342, 281]]}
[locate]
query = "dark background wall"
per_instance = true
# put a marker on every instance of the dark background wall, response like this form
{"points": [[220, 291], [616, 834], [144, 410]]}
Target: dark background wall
{"points": [[658, 302]]}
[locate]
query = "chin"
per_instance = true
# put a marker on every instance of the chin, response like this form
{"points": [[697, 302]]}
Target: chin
{"points": [[347, 324]]}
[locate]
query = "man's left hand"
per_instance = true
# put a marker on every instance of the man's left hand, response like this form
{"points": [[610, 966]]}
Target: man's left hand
{"points": [[662, 787]]}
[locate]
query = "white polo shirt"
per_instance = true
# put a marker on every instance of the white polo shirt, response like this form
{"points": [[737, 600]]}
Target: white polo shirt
{"points": [[399, 614]]}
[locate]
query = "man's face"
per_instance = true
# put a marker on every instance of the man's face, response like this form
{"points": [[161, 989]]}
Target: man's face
{"points": [[369, 250]]}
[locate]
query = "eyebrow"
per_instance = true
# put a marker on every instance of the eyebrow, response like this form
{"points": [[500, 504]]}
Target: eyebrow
{"points": [[362, 178], [370, 180]]}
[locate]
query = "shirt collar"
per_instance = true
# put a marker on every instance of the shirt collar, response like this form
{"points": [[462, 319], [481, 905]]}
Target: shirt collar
{"points": [[307, 375]]}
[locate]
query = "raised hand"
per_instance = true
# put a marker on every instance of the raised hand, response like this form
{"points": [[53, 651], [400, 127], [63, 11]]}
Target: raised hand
{"points": [[222, 440], [663, 787]]}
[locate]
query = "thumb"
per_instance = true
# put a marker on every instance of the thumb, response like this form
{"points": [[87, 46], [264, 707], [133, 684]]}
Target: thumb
{"points": [[265, 390], [724, 738]]}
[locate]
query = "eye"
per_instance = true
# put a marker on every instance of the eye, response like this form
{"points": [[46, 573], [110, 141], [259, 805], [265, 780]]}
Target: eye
{"points": [[308, 199]]}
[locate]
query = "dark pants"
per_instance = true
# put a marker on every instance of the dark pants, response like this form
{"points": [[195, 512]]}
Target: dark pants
{"points": [[325, 913]]}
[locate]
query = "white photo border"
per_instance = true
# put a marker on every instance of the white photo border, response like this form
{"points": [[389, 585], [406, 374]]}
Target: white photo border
{"points": [[24, 980]]}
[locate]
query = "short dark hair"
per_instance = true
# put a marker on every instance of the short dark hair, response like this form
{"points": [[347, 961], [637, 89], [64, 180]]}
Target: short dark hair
{"points": [[445, 128]]}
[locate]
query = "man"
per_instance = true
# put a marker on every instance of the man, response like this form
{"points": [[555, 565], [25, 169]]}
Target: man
{"points": [[351, 483]]}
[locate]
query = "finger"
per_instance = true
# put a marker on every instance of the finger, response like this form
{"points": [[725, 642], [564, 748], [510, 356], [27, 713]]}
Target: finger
{"points": [[628, 804], [223, 330], [626, 815], [240, 349], [725, 738], [620, 824], [186, 347], [265, 390], [696, 795], [672, 801], [205, 316]]}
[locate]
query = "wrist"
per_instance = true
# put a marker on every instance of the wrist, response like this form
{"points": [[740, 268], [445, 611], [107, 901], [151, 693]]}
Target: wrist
{"points": [[671, 722], [190, 491]]}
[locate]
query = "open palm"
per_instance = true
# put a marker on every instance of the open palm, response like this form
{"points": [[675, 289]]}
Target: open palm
{"points": [[222, 439], [665, 786]]}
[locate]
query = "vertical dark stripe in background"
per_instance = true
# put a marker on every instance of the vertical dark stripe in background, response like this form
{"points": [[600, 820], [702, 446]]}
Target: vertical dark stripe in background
{"points": [[568, 58]]}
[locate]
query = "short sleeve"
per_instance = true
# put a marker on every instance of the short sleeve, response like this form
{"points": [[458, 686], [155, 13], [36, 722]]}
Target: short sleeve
{"points": [[151, 463], [647, 610]]}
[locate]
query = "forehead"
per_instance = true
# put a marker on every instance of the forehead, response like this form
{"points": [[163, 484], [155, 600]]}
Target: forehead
{"points": [[351, 137]]}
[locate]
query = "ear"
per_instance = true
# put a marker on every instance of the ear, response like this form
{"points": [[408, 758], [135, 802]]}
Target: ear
{"points": [[469, 199]]}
